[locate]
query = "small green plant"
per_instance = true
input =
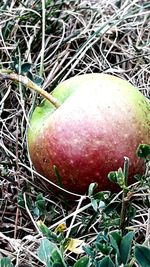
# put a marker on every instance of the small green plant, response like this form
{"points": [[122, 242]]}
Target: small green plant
{"points": [[111, 248], [115, 247]]}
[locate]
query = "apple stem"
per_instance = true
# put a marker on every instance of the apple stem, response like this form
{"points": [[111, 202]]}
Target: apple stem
{"points": [[9, 75]]}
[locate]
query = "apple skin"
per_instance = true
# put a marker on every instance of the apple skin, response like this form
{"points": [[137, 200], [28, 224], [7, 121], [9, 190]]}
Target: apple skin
{"points": [[102, 119]]}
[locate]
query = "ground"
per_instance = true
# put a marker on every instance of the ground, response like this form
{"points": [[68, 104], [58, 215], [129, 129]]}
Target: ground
{"points": [[51, 41]]}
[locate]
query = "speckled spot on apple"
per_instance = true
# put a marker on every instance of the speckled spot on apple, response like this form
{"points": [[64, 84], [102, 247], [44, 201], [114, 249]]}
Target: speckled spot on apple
{"points": [[59, 128], [76, 141], [125, 135], [97, 142]]}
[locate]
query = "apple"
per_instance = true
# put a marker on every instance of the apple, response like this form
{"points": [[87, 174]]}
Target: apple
{"points": [[101, 119]]}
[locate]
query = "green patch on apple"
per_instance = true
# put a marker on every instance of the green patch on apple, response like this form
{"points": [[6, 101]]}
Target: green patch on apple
{"points": [[101, 120]]}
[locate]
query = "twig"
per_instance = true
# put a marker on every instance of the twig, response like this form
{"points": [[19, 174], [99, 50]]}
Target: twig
{"points": [[8, 75], [74, 216], [43, 38], [18, 181], [125, 199]]}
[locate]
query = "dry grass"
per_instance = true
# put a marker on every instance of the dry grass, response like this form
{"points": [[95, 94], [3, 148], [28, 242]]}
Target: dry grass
{"points": [[60, 40]]}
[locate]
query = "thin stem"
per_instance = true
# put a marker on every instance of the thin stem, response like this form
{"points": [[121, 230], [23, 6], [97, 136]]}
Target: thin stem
{"points": [[43, 38], [9, 75], [126, 170], [125, 200]]}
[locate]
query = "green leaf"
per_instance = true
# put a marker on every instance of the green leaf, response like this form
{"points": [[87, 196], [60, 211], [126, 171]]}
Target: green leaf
{"points": [[59, 179], [106, 262], [102, 195], [47, 232], [56, 257], [40, 203], [112, 176], [116, 236], [89, 251], [143, 151], [142, 255], [111, 207], [25, 68], [29, 75], [6, 262], [36, 212], [94, 204], [38, 80], [118, 177], [125, 247], [91, 189], [115, 240], [101, 204], [49, 253], [105, 249], [45, 250], [82, 262], [121, 178]]}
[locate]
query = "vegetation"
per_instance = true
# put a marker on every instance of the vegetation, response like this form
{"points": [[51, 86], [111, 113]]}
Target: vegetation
{"points": [[49, 41]]}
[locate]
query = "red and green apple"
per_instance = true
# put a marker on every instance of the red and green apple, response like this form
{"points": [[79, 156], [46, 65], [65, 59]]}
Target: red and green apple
{"points": [[101, 120]]}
